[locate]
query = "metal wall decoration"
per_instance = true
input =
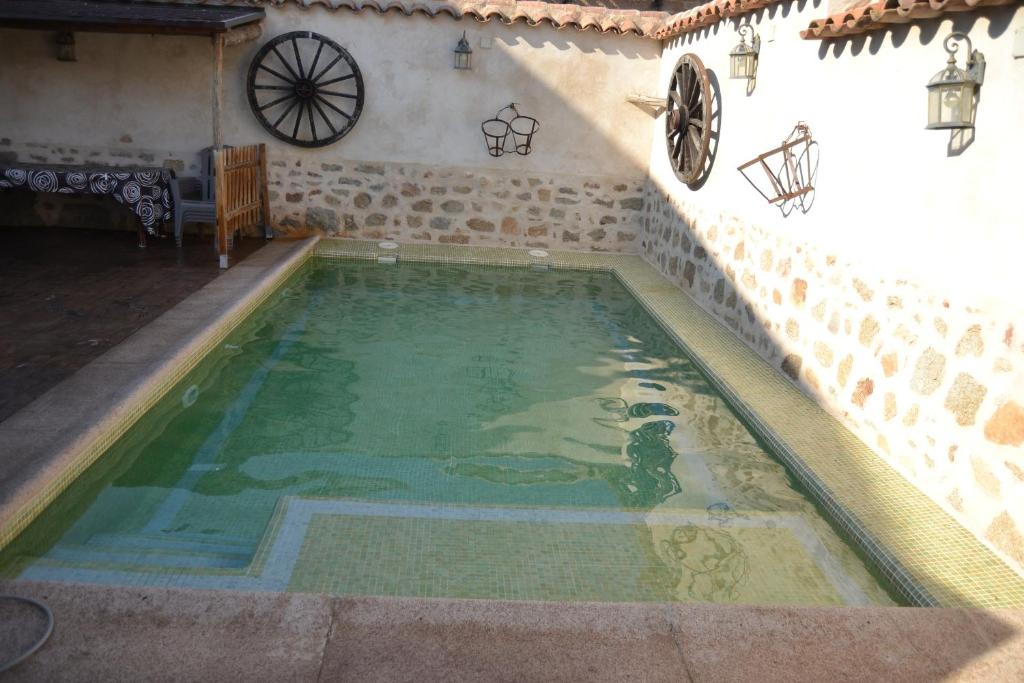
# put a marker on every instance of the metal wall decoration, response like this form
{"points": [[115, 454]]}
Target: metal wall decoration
{"points": [[509, 131], [688, 118], [305, 89], [788, 167]]}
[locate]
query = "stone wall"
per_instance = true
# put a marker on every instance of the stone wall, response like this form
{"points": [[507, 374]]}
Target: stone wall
{"points": [[420, 203], [369, 200], [934, 385]]}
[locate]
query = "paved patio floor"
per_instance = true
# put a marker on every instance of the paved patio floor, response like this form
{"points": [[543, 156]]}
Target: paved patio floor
{"points": [[69, 294]]}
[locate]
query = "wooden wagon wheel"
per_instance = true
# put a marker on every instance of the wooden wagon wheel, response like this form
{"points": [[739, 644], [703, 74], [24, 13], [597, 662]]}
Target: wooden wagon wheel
{"points": [[305, 89], [688, 118]]}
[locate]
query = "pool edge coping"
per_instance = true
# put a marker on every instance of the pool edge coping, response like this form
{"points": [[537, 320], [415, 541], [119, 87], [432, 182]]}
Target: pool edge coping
{"points": [[349, 636]]}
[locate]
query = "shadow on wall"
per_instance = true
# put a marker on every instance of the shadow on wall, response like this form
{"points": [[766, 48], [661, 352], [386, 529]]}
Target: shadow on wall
{"points": [[716, 131], [692, 254], [594, 131], [757, 16], [998, 20], [675, 243], [594, 142], [784, 177], [564, 44]]}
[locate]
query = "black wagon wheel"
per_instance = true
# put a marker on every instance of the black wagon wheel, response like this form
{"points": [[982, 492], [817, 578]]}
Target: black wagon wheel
{"points": [[688, 118], [305, 89]]}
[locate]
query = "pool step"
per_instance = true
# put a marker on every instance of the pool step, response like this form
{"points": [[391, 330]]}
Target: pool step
{"points": [[191, 551], [88, 554], [183, 542]]}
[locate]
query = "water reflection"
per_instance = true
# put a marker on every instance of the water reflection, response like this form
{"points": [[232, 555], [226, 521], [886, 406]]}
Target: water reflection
{"points": [[706, 564], [649, 480]]}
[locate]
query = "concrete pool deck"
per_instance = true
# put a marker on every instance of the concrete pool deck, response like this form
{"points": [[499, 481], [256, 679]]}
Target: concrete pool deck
{"points": [[104, 633], [68, 295]]}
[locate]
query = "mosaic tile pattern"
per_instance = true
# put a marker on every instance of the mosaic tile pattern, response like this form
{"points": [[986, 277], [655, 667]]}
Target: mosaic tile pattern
{"points": [[925, 553], [930, 558], [423, 557]]}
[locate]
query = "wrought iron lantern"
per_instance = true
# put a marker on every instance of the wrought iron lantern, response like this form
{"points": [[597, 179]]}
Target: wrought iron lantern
{"points": [[952, 91], [463, 54], [66, 47], [743, 58]]}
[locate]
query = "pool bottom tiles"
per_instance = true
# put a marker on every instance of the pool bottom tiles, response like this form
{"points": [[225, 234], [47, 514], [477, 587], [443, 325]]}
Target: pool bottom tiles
{"points": [[440, 431]]}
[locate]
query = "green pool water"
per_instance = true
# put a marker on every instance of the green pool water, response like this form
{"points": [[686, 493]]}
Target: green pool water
{"points": [[439, 431]]}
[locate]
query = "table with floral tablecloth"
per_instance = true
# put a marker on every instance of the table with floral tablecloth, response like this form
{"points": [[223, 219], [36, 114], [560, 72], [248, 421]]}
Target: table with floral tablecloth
{"points": [[144, 190]]}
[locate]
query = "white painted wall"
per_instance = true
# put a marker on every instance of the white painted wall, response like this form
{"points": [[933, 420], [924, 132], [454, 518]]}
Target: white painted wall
{"points": [[419, 109], [909, 253], [888, 194], [156, 91], [126, 92]]}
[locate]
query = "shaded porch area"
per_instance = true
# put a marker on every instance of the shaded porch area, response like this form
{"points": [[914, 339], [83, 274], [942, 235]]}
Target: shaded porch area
{"points": [[67, 295]]}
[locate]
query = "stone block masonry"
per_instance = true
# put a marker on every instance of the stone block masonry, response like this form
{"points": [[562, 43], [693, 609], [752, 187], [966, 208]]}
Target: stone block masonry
{"points": [[420, 203], [935, 386], [369, 200]]}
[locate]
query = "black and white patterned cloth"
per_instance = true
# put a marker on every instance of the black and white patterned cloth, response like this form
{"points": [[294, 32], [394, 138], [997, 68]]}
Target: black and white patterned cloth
{"points": [[146, 191]]}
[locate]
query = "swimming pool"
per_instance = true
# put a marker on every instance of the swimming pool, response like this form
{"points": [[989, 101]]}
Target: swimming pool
{"points": [[458, 431]]}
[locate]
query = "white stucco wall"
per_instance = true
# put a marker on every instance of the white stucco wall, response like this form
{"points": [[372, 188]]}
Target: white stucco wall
{"points": [[889, 196], [419, 109], [895, 300], [156, 91]]}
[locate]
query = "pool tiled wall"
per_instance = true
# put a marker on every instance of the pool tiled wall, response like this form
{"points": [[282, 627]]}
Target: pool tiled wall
{"points": [[932, 384]]}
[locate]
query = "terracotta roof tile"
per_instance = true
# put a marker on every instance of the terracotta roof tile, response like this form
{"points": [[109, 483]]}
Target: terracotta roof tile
{"points": [[883, 12], [533, 13], [707, 14]]}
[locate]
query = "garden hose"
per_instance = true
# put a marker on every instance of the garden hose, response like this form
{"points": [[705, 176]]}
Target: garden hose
{"points": [[5, 666]]}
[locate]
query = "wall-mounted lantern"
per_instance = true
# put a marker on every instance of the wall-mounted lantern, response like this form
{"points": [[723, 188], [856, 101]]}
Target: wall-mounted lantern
{"points": [[463, 54], [952, 91], [743, 58], [66, 47]]}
